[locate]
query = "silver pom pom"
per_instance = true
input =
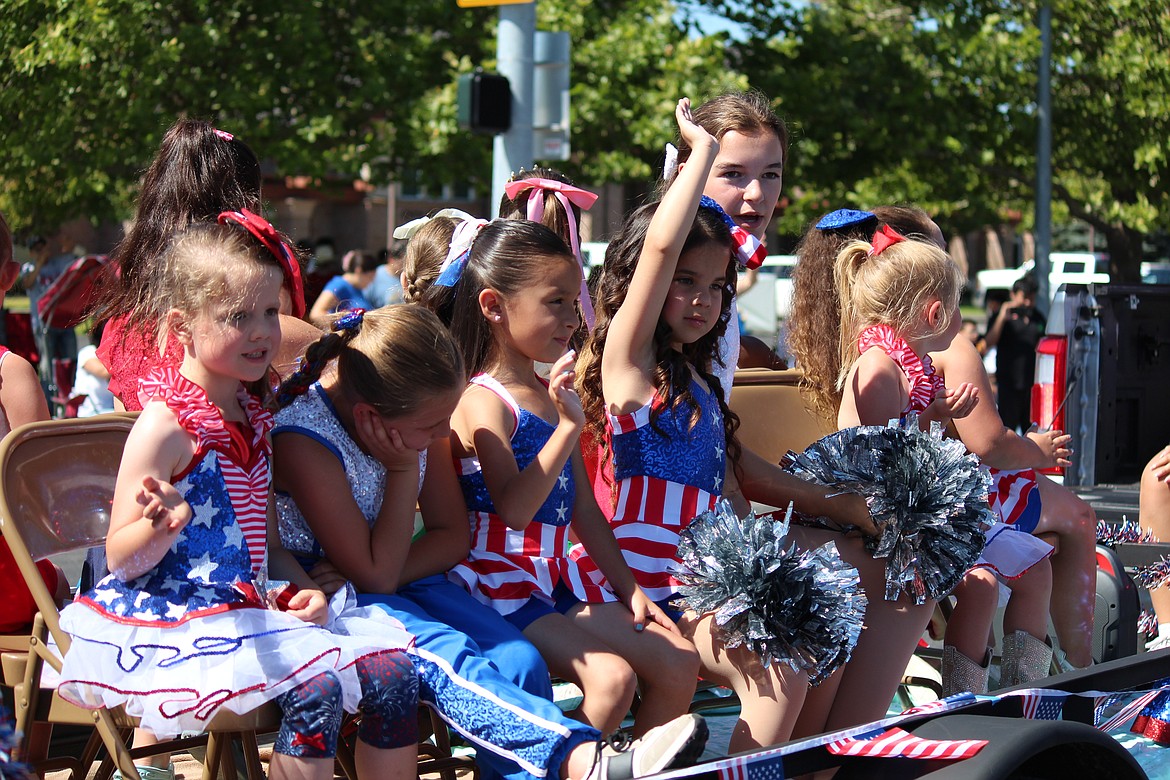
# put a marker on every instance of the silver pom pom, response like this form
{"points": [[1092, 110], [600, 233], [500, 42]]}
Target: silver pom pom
{"points": [[804, 609], [927, 494]]}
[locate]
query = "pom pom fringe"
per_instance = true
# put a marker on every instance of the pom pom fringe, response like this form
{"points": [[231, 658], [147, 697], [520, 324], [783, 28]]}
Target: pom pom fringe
{"points": [[927, 495], [802, 608]]}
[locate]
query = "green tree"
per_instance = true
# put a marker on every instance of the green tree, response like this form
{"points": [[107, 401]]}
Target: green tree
{"points": [[323, 89], [87, 88], [935, 102]]}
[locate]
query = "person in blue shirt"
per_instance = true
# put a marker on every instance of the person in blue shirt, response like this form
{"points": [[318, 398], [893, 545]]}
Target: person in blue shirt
{"points": [[387, 285], [347, 290]]}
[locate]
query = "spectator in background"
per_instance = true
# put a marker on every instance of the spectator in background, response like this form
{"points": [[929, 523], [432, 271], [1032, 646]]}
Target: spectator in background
{"points": [[1014, 333], [347, 289], [93, 378], [50, 259], [387, 285], [323, 266]]}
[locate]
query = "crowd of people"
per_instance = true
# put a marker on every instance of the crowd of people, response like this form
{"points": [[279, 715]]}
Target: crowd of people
{"points": [[555, 441]]}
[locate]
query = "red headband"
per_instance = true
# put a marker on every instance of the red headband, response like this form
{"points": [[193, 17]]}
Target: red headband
{"points": [[885, 237], [262, 230]]}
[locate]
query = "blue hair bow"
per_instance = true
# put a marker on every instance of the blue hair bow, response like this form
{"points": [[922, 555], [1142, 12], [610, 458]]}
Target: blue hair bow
{"points": [[835, 220]]}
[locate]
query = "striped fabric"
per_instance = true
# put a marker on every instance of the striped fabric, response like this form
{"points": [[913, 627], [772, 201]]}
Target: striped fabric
{"points": [[667, 472], [895, 742], [507, 567], [1009, 498]]}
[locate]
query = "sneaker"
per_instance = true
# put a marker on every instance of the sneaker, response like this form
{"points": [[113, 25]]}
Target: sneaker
{"points": [[151, 773], [672, 745], [1160, 642]]}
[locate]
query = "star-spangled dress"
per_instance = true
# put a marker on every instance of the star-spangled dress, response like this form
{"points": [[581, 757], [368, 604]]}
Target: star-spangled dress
{"points": [[506, 567], [666, 473], [475, 669], [1007, 554], [192, 634]]}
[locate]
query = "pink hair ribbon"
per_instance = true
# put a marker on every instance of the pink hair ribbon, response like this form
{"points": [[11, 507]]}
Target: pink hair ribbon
{"points": [[884, 238], [223, 135], [567, 194], [262, 230]]}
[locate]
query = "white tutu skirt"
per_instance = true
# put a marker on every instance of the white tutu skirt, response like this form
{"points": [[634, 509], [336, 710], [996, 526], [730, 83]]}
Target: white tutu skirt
{"points": [[175, 678], [1010, 553]]}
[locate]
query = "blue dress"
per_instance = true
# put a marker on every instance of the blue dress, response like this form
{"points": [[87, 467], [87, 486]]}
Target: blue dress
{"points": [[194, 633], [461, 646]]}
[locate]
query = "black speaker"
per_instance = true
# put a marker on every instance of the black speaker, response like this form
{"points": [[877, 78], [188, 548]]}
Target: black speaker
{"points": [[485, 102]]}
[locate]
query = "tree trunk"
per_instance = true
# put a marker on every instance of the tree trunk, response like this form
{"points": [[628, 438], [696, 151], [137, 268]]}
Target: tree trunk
{"points": [[1125, 252]]}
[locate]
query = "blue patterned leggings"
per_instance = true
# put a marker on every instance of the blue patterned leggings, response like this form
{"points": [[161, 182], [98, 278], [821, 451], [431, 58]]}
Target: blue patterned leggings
{"points": [[389, 709]]}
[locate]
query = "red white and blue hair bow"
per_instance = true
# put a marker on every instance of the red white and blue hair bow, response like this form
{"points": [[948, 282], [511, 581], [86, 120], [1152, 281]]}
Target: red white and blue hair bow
{"points": [[749, 250], [262, 230], [567, 194], [459, 251]]}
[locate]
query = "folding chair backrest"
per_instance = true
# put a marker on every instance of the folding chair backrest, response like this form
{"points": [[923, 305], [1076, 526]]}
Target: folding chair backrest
{"points": [[56, 488]]}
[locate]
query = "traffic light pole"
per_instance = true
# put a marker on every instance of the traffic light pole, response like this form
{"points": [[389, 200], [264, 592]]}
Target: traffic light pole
{"points": [[514, 59]]}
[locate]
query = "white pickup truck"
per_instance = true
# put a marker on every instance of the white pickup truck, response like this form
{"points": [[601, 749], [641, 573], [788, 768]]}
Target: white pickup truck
{"points": [[1064, 267]]}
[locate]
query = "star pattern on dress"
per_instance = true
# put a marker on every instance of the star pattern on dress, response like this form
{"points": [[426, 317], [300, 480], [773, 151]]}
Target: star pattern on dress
{"points": [[563, 481], [718, 482], [202, 568], [718, 450], [233, 536], [205, 513], [561, 510]]}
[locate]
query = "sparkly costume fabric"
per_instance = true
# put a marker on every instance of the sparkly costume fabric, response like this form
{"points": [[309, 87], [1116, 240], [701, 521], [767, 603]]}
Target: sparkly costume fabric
{"points": [[924, 382], [313, 415], [667, 472], [194, 633], [507, 567]]}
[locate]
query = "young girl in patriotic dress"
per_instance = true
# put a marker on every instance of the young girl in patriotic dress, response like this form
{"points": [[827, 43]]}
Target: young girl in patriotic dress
{"points": [[515, 304], [193, 617], [651, 395]]}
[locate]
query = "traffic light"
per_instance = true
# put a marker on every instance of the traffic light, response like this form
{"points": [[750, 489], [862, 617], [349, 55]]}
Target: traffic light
{"points": [[484, 102]]}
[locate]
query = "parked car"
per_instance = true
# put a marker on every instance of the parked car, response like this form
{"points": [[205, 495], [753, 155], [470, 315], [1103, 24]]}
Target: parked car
{"points": [[764, 308], [1064, 267]]}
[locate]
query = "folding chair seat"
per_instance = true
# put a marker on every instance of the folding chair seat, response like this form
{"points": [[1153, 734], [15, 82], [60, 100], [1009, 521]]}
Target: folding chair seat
{"points": [[56, 488]]}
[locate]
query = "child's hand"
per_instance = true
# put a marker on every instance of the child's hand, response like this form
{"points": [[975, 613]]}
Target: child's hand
{"points": [[162, 505], [1160, 464], [645, 610], [562, 392], [694, 135], [309, 605], [384, 443], [326, 577], [956, 403], [851, 509], [1054, 445]]}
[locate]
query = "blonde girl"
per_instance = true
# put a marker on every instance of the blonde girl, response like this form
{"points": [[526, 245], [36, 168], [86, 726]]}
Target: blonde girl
{"points": [[194, 552], [652, 397], [899, 299]]}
